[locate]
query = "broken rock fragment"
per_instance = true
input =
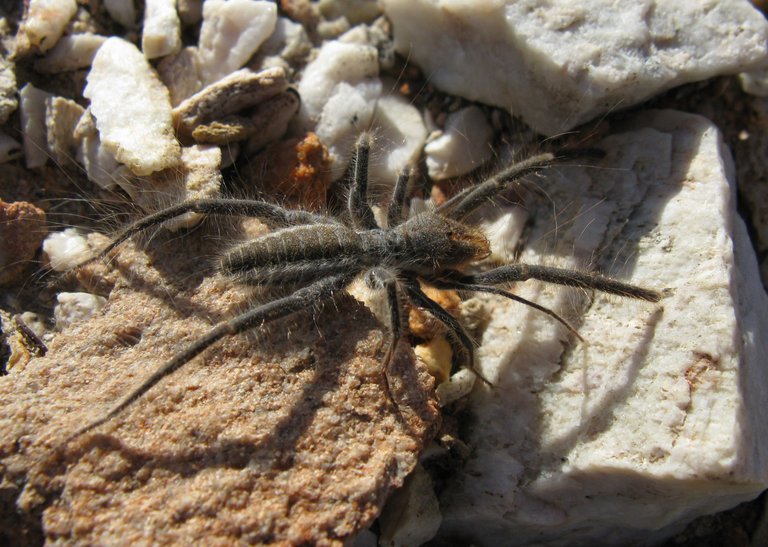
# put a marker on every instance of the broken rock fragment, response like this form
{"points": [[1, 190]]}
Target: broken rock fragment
{"points": [[132, 108], [70, 53], [240, 90], [43, 24], [22, 229]]}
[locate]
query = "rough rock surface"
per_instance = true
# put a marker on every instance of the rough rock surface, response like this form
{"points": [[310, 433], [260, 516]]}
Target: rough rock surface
{"points": [[288, 438], [515, 54], [660, 416], [22, 229]]}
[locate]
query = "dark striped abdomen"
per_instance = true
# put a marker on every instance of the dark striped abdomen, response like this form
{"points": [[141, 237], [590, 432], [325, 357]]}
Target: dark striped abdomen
{"points": [[301, 254]]}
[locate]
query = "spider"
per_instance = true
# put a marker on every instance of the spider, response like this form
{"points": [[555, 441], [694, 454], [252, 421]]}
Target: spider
{"points": [[318, 255]]}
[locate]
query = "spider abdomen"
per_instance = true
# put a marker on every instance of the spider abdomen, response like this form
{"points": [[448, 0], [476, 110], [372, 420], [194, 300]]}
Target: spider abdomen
{"points": [[300, 254]]}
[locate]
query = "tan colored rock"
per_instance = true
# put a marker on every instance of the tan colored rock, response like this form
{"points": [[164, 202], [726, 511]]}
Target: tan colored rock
{"points": [[288, 436], [239, 90], [22, 229], [43, 24], [61, 117]]}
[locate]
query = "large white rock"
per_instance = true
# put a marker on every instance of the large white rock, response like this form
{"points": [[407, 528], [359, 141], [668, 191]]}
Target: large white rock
{"points": [[661, 416], [231, 33], [132, 108], [560, 63]]}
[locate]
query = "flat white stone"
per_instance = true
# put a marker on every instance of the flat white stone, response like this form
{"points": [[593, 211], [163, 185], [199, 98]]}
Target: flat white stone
{"points": [[122, 11], [339, 90], [32, 105], [70, 53], [44, 23], [73, 307], [66, 249], [231, 33], [464, 145], [161, 32], [661, 415], [132, 108], [559, 64]]}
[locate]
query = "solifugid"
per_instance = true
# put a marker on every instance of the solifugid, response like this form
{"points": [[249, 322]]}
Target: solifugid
{"points": [[320, 255]]}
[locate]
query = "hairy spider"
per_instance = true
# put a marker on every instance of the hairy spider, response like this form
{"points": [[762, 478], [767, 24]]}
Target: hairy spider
{"points": [[319, 255]]}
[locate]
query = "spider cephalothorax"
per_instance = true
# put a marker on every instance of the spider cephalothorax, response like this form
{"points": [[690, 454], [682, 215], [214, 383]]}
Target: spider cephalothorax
{"points": [[319, 255]]}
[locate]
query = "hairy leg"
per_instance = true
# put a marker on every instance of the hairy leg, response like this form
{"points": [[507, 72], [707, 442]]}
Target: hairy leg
{"points": [[473, 287], [359, 209], [559, 276], [301, 299], [382, 279], [273, 214], [399, 195], [471, 198], [459, 338]]}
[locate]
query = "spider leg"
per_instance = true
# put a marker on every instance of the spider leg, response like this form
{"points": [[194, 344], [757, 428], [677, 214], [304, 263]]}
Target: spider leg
{"points": [[473, 287], [359, 209], [380, 278], [301, 299], [230, 207], [399, 195], [471, 198], [459, 334], [559, 276]]}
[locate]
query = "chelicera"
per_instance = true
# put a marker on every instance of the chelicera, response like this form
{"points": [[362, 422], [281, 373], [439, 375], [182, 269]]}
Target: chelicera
{"points": [[318, 256]]}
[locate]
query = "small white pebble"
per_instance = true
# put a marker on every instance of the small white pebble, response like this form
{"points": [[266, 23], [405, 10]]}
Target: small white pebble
{"points": [[74, 307], [66, 249], [504, 231], [464, 145], [459, 385], [46, 20], [231, 33]]}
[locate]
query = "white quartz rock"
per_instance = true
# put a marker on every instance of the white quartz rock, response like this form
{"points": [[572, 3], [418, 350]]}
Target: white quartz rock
{"points": [[70, 53], [399, 134], [66, 249], [73, 307], [661, 415], [561, 63], [61, 119], [464, 145], [231, 33], [339, 91], [32, 102], [122, 11], [44, 23], [132, 108], [161, 33]]}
